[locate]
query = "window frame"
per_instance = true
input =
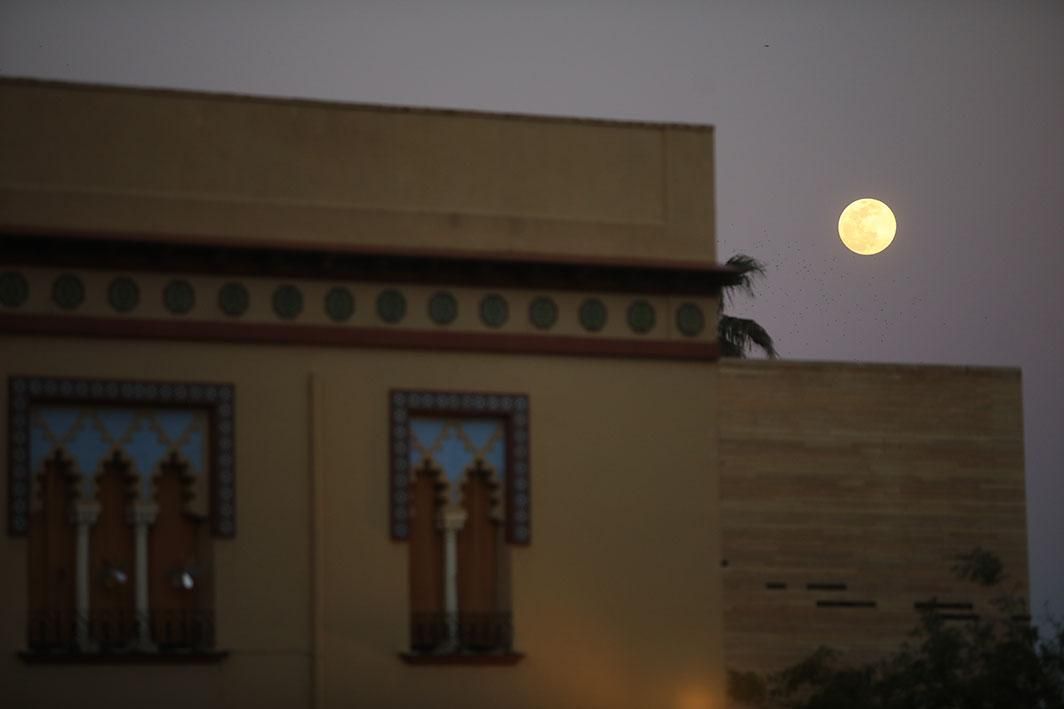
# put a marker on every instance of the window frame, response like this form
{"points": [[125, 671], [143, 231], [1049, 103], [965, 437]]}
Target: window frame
{"points": [[217, 400], [24, 392], [515, 409], [515, 413]]}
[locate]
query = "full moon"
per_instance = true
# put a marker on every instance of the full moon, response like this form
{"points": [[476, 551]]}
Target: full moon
{"points": [[867, 226]]}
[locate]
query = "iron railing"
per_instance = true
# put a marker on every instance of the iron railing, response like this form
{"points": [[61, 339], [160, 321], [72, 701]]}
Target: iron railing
{"points": [[118, 631], [461, 633]]}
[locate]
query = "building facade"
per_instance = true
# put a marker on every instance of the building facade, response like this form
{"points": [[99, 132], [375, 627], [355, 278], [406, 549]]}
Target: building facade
{"points": [[326, 405]]}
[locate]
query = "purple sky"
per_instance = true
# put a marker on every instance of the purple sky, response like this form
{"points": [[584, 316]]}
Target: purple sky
{"points": [[951, 112]]}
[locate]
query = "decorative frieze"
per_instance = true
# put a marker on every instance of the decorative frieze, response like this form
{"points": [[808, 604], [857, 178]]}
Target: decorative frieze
{"points": [[199, 305]]}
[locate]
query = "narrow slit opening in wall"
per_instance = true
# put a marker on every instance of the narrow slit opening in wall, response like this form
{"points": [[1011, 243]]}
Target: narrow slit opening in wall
{"points": [[845, 604], [940, 606], [825, 586], [775, 586]]}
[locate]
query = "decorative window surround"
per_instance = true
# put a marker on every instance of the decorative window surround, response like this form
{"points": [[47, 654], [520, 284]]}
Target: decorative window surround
{"points": [[459, 428], [214, 403]]}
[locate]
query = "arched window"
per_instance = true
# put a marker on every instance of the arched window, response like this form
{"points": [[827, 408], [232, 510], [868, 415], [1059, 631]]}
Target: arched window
{"points": [[483, 608], [118, 486], [460, 497], [428, 627], [52, 555], [112, 561], [179, 569]]}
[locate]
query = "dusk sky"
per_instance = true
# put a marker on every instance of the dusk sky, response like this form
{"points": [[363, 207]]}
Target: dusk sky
{"points": [[951, 112]]}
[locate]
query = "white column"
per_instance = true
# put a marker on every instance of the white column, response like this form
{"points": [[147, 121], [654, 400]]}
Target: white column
{"points": [[142, 515], [451, 520], [84, 515]]}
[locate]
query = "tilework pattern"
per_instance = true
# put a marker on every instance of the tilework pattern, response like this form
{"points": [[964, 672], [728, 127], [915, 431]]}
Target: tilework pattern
{"points": [[641, 316], [68, 291], [147, 421], [455, 430], [287, 301], [690, 320], [233, 299], [123, 294], [339, 304], [443, 308], [179, 297], [494, 310], [593, 314], [13, 289], [226, 299], [455, 445], [543, 313], [391, 306], [89, 435]]}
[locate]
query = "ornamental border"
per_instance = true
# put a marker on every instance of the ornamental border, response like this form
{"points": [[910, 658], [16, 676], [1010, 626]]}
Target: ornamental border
{"points": [[404, 404], [218, 399]]}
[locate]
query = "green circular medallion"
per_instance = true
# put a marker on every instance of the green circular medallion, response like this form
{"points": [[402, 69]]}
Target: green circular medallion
{"points": [[543, 313], [68, 291], [593, 314], [641, 317], [494, 310], [443, 308], [689, 319], [233, 299], [287, 302], [339, 304], [123, 294], [14, 290], [179, 297], [391, 306]]}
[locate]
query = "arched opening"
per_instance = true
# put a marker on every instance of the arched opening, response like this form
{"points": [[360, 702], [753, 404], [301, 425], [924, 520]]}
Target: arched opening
{"points": [[112, 621], [484, 623], [52, 555], [179, 566], [428, 627]]}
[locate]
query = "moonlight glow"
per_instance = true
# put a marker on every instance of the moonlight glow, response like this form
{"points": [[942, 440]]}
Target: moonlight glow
{"points": [[867, 226]]}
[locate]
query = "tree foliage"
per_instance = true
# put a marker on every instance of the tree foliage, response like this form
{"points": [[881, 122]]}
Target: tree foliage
{"points": [[995, 662], [737, 336]]}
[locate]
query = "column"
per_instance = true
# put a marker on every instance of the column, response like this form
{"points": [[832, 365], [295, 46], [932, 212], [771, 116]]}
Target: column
{"points": [[142, 516], [451, 520], [83, 515]]}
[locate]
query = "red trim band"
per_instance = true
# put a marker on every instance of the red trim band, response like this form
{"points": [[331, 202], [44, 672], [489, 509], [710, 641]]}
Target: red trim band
{"points": [[328, 336]]}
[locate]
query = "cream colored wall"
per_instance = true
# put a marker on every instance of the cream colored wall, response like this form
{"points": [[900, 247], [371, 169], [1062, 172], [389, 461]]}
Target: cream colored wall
{"points": [[196, 165], [877, 476], [616, 601], [262, 576]]}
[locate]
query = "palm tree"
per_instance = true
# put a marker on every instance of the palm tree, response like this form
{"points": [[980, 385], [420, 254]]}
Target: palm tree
{"points": [[738, 335]]}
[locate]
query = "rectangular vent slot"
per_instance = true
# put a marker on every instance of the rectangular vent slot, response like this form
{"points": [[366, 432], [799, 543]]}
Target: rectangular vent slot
{"points": [[825, 587], [845, 604], [776, 586], [938, 606]]}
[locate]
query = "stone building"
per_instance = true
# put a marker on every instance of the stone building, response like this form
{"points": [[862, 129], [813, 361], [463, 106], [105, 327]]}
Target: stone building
{"points": [[317, 405]]}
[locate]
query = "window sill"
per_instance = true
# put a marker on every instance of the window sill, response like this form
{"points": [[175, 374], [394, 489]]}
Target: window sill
{"points": [[198, 657], [470, 659]]}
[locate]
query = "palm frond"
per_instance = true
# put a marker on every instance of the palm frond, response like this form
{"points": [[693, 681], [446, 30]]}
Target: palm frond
{"points": [[737, 336], [748, 269]]}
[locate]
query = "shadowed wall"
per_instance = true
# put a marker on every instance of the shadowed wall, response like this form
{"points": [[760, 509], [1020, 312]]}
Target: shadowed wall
{"points": [[864, 482]]}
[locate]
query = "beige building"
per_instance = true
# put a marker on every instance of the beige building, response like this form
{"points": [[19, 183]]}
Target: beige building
{"points": [[315, 405]]}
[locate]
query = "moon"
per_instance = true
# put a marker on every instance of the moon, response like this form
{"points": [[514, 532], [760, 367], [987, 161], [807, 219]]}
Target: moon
{"points": [[867, 226]]}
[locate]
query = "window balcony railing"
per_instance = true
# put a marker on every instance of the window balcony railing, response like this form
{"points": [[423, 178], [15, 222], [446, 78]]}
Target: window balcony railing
{"points": [[107, 631], [462, 633]]}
